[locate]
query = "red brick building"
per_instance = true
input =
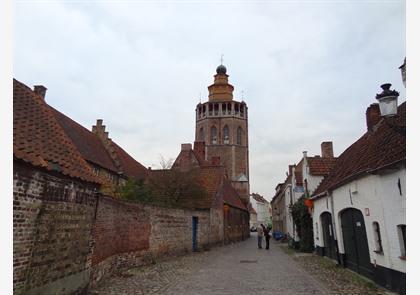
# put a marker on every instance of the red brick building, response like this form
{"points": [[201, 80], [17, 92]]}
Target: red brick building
{"points": [[222, 124]]}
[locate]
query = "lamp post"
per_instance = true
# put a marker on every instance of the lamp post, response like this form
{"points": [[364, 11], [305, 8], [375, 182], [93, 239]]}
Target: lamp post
{"points": [[388, 101]]}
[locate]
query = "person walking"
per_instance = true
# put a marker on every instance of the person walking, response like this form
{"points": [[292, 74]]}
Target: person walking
{"points": [[260, 232], [266, 231]]}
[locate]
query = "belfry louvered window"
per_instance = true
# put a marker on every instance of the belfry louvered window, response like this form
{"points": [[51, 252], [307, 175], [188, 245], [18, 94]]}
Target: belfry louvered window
{"points": [[239, 136], [226, 135], [213, 133]]}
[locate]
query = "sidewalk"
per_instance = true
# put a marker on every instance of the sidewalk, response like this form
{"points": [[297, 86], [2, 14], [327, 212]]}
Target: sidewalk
{"points": [[337, 280]]}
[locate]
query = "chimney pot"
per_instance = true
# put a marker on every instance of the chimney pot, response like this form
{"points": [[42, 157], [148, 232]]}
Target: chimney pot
{"points": [[41, 90], [373, 116]]}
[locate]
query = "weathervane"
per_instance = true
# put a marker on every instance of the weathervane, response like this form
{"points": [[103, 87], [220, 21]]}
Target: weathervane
{"points": [[221, 59]]}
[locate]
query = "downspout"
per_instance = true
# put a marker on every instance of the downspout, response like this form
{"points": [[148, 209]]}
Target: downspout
{"points": [[334, 227]]}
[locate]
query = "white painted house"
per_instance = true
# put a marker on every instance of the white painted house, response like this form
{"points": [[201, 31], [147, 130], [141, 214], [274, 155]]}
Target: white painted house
{"points": [[359, 209], [262, 207]]}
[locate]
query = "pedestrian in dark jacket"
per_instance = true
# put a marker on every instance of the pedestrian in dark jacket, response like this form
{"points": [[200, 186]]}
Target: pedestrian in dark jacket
{"points": [[267, 237]]}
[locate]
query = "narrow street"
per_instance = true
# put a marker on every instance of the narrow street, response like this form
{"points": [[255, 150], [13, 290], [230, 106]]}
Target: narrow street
{"points": [[240, 268]]}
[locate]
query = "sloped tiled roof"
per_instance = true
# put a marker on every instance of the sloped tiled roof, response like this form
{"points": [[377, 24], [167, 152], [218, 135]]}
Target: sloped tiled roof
{"points": [[38, 139], [321, 166], [231, 196], [382, 147], [129, 165], [258, 198], [209, 178], [298, 173], [88, 143], [186, 160]]}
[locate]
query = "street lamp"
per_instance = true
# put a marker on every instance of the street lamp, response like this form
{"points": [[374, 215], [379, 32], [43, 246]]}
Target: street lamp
{"points": [[388, 101]]}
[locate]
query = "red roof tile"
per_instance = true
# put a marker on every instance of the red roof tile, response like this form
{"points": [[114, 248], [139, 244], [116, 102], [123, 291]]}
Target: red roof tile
{"points": [[382, 147], [209, 178], [231, 196], [39, 140], [88, 143], [129, 165], [321, 166], [259, 198]]}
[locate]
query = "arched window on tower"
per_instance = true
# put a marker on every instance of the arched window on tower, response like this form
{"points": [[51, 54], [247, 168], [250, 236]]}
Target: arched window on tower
{"points": [[239, 136], [226, 135], [201, 135], [213, 133]]}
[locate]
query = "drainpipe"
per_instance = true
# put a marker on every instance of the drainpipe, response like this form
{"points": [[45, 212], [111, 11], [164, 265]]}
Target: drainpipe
{"points": [[334, 227]]}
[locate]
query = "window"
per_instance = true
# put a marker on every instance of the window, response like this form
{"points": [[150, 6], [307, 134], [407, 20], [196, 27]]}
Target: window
{"points": [[213, 133], [239, 136], [377, 237], [401, 237], [201, 135], [226, 135]]}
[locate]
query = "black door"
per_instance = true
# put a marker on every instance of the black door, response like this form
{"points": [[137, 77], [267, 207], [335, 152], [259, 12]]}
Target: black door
{"points": [[327, 233], [356, 247]]}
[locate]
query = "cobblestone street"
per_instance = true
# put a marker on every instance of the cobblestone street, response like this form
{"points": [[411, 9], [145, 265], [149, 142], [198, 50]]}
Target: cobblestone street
{"points": [[240, 268]]}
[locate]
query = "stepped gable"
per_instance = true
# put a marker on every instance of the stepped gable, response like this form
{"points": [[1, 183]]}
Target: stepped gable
{"points": [[378, 148], [38, 138], [88, 144]]}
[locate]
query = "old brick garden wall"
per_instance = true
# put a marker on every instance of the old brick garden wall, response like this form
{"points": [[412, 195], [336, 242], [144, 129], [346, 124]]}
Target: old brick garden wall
{"points": [[67, 237], [52, 222]]}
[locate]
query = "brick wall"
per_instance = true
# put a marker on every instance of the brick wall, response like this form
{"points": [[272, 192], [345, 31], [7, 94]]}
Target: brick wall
{"points": [[236, 225], [67, 237], [52, 220], [141, 233]]}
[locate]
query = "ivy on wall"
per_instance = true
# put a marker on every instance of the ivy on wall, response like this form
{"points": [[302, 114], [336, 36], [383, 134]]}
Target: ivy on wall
{"points": [[303, 222]]}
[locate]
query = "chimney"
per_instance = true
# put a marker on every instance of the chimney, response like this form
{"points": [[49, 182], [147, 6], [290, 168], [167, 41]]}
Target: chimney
{"points": [[373, 116], [186, 146], [40, 90], [290, 169], [215, 161], [199, 148], [327, 149], [99, 129], [305, 154]]}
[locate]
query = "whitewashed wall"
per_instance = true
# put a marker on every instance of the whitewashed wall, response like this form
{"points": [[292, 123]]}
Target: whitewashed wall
{"points": [[378, 194]]}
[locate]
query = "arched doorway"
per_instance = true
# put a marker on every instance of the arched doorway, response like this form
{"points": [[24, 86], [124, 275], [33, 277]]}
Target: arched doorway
{"points": [[356, 247], [328, 235]]}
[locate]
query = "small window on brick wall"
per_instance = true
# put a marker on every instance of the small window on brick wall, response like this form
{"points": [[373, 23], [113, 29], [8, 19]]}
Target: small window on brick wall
{"points": [[377, 236], [401, 238]]}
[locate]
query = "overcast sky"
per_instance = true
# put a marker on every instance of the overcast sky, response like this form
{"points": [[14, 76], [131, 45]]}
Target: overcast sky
{"points": [[308, 70]]}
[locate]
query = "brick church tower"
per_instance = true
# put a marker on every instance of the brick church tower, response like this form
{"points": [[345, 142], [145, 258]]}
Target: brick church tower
{"points": [[222, 124]]}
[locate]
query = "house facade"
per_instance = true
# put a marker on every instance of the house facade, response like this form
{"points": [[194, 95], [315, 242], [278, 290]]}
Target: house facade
{"points": [[359, 209], [262, 207]]}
